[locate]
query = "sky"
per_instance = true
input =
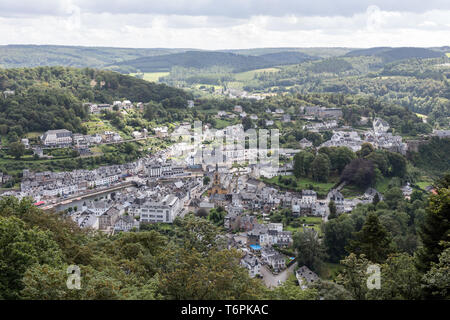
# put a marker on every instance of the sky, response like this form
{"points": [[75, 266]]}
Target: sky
{"points": [[227, 24]]}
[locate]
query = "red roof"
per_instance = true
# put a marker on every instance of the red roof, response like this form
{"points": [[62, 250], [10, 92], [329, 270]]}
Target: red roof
{"points": [[39, 203]]}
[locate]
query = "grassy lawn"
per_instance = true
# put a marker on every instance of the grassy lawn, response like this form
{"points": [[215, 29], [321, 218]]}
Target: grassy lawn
{"points": [[383, 185], [423, 184], [152, 76], [316, 221], [220, 123], [330, 270], [322, 188], [248, 75], [350, 191], [30, 135]]}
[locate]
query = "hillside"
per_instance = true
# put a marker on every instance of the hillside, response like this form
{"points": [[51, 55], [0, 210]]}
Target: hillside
{"points": [[395, 54], [51, 97], [208, 59], [12, 56]]}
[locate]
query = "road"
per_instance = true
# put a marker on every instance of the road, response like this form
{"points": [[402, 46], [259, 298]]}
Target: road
{"points": [[271, 280]]}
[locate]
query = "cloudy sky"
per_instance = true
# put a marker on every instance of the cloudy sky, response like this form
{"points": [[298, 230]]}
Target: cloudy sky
{"points": [[213, 24]]}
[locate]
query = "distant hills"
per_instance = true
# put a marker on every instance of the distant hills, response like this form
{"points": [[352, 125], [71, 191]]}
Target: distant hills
{"points": [[208, 59], [127, 60], [12, 56], [394, 54]]}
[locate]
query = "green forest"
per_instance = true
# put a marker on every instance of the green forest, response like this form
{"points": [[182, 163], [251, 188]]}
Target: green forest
{"points": [[52, 97]]}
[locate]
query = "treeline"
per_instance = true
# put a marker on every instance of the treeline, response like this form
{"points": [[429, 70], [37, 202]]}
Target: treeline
{"points": [[433, 156], [362, 169], [406, 239]]}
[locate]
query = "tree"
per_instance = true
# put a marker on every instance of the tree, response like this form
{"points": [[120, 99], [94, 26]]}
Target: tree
{"points": [[329, 290], [212, 275], [202, 213], [206, 180], [302, 163], [337, 233], [310, 252], [436, 226], [21, 248], [354, 275], [437, 279], [400, 280], [376, 199], [373, 240], [393, 197], [397, 164], [289, 290], [217, 215], [333, 210], [16, 149], [320, 168], [366, 149], [359, 172]]}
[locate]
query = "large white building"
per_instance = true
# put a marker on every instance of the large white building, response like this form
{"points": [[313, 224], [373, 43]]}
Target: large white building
{"points": [[164, 210], [57, 138]]}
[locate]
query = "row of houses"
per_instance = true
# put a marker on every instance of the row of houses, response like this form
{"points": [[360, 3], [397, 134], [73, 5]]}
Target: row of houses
{"points": [[63, 138]]}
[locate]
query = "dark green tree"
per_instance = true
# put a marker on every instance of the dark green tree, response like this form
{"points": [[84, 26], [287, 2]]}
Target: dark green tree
{"points": [[374, 241], [436, 227]]}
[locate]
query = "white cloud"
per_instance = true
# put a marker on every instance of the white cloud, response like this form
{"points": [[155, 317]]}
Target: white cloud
{"points": [[74, 22]]}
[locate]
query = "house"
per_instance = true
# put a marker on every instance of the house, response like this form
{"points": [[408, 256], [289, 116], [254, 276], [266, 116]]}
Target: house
{"points": [[155, 210], [8, 93], [125, 223], [305, 143], [190, 104], [330, 112], [251, 263], [108, 219], [247, 223], [269, 123], [161, 132], [286, 118], [309, 196], [26, 143], [380, 125], [370, 193], [306, 277], [237, 108], [275, 226], [57, 138], [441, 133], [277, 262], [87, 219], [407, 190]]}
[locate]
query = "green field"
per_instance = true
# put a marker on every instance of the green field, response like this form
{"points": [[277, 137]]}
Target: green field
{"points": [[322, 188], [151, 76], [248, 75]]}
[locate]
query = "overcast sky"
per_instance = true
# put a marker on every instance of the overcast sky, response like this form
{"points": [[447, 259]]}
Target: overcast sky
{"points": [[212, 24]]}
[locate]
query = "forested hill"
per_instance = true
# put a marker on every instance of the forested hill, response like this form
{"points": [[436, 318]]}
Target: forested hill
{"points": [[207, 59], [394, 54], [51, 97], [12, 56]]}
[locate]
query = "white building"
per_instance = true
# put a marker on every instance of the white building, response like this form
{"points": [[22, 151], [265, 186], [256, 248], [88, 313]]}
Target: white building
{"points": [[153, 211], [57, 138]]}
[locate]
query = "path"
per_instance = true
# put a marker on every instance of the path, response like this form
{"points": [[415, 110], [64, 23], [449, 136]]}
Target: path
{"points": [[271, 280]]}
